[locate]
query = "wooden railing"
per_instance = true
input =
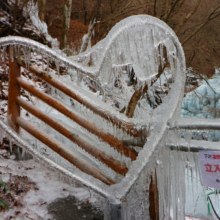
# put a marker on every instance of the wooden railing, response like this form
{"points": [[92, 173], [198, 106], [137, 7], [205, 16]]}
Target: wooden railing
{"points": [[15, 121], [103, 54]]}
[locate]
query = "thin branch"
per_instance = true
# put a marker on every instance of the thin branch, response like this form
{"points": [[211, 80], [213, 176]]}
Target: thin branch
{"points": [[214, 14], [216, 53], [171, 10], [133, 9], [137, 94], [185, 31], [210, 109], [155, 7], [191, 57], [119, 12], [200, 75], [180, 5], [88, 36], [167, 8], [188, 16], [113, 17]]}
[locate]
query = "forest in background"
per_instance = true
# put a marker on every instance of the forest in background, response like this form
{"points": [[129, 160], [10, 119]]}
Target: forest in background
{"points": [[196, 23]]}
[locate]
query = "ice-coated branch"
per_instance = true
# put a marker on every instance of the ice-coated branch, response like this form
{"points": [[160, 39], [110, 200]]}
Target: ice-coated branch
{"points": [[188, 16], [66, 23], [214, 14], [138, 94], [88, 36]]}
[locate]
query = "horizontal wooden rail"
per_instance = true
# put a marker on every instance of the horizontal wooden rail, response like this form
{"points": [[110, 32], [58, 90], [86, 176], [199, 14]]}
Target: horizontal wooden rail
{"points": [[128, 127], [63, 150], [71, 113], [116, 165]]}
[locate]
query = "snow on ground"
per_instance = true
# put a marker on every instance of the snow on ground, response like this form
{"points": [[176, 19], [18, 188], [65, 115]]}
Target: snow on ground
{"points": [[48, 188]]}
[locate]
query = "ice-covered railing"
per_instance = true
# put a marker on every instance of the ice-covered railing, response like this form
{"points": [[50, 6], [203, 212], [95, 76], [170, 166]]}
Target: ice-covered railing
{"points": [[178, 171], [25, 46], [141, 43]]}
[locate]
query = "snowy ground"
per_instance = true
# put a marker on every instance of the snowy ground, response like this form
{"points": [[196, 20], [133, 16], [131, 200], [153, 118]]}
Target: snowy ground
{"points": [[44, 186], [47, 188]]}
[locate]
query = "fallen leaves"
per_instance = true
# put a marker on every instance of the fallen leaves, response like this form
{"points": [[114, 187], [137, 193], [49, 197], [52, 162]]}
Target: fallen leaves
{"points": [[12, 195]]}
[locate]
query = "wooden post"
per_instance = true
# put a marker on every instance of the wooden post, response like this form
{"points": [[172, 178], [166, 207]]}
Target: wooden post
{"points": [[13, 93], [154, 199]]}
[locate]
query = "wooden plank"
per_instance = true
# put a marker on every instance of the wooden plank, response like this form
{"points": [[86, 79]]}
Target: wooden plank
{"points": [[116, 165], [128, 127], [69, 112], [13, 93], [63, 150]]}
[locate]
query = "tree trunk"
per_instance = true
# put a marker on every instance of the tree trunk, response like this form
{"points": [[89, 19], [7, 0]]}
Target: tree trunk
{"points": [[42, 7], [66, 23], [88, 36], [15, 15], [85, 12]]}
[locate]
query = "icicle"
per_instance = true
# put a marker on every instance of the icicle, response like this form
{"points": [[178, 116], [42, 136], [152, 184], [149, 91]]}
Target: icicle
{"points": [[175, 185], [156, 58], [161, 55], [169, 179], [1, 136], [79, 77], [196, 172], [58, 67], [1, 55], [11, 144], [187, 172], [182, 185], [188, 137], [192, 177], [159, 171], [4, 54], [12, 53], [217, 199], [48, 61], [28, 57], [23, 154], [17, 51], [25, 56]]}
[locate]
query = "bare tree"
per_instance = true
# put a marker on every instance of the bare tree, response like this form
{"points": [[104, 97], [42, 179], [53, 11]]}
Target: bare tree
{"points": [[66, 22], [42, 9], [88, 36]]}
